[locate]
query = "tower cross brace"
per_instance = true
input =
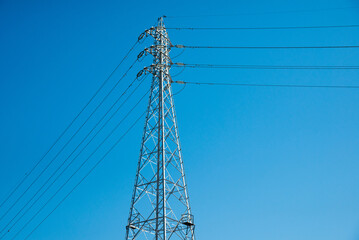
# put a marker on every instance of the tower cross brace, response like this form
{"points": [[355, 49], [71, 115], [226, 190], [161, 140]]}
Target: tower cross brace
{"points": [[160, 208]]}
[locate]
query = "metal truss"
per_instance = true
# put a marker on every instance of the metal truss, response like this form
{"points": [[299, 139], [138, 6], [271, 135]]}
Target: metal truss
{"points": [[160, 206]]}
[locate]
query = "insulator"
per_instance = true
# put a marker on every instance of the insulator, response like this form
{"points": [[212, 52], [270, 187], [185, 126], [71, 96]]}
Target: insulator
{"points": [[179, 82], [140, 55], [141, 36], [139, 74], [160, 111]]}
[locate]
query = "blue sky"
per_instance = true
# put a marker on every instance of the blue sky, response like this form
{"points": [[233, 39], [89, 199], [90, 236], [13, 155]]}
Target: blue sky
{"points": [[261, 163]]}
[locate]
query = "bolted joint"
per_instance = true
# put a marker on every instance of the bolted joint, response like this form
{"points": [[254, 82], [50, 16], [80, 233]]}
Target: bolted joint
{"points": [[160, 218]]}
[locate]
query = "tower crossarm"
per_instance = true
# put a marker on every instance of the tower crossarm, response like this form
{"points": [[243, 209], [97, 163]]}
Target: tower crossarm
{"points": [[160, 208]]}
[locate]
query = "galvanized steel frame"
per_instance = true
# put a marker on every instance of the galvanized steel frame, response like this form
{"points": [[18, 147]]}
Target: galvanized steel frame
{"points": [[160, 206]]}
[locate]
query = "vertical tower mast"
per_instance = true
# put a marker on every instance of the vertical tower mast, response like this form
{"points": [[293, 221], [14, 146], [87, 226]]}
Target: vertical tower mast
{"points": [[160, 206]]}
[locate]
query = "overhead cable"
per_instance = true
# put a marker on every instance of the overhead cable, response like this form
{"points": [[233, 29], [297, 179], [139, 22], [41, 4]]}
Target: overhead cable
{"points": [[100, 160], [266, 85], [263, 28], [69, 164], [262, 13], [267, 47], [67, 143], [266, 66], [67, 128]]}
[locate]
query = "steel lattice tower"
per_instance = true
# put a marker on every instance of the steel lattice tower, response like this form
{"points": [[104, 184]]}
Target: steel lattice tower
{"points": [[160, 206]]}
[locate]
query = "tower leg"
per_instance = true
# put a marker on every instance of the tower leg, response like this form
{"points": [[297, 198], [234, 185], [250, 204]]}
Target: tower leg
{"points": [[160, 206]]}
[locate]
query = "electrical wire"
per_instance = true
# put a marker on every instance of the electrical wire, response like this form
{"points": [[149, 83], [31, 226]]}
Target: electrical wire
{"points": [[113, 114], [88, 173], [266, 85], [184, 86], [263, 28], [267, 47], [96, 149], [178, 54], [263, 13], [179, 73], [66, 144], [59, 167], [67, 128], [266, 67]]}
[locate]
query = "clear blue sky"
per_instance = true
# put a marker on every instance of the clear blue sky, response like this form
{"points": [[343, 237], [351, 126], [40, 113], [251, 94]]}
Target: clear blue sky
{"points": [[261, 163]]}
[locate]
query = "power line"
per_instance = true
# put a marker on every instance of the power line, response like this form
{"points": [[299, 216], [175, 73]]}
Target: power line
{"points": [[266, 67], [267, 47], [113, 114], [96, 149], [263, 13], [265, 85], [88, 173], [67, 128], [53, 174], [263, 28], [66, 144]]}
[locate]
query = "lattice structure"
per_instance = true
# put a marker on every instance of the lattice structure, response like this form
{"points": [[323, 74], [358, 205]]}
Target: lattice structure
{"points": [[160, 206]]}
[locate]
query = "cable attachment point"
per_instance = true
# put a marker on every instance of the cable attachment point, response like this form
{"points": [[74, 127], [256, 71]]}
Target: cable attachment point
{"points": [[140, 55], [179, 82], [154, 69], [145, 70], [146, 33], [156, 33], [153, 50], [145, 52], [139, 74], [142, 35], [179, 46]]}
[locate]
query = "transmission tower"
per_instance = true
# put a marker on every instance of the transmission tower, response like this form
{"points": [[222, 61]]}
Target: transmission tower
{"points": [[160, 206]]}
